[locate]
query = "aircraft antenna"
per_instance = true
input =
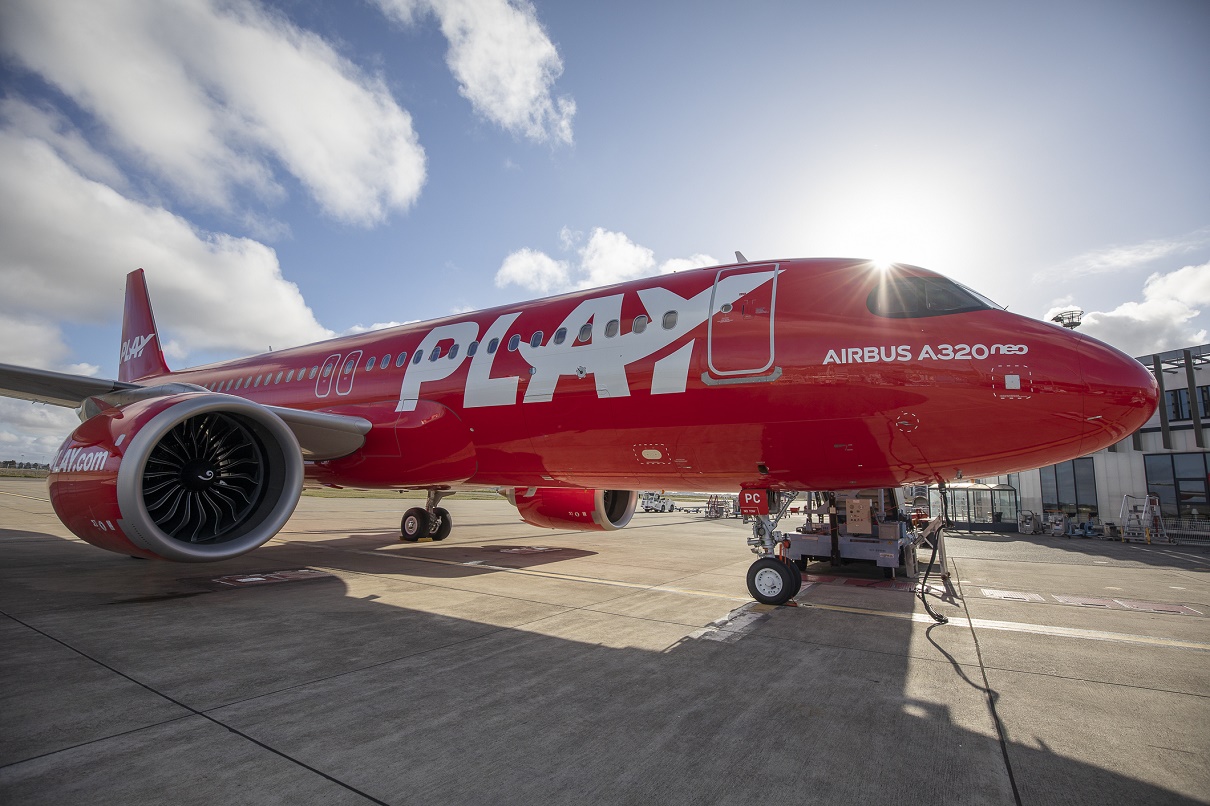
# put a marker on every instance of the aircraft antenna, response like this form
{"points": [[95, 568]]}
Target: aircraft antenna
{"points": [[739, 257]]}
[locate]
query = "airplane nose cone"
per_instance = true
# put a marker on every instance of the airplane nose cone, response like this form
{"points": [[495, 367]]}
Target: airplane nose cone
{"points": [[1120, 394]]}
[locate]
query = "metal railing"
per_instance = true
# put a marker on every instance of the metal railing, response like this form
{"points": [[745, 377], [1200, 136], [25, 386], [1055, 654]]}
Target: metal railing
{"points": [[1187, 530]]}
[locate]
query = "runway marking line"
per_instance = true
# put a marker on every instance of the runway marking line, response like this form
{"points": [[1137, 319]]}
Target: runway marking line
{"points": [[30, 497], [987, 624]]}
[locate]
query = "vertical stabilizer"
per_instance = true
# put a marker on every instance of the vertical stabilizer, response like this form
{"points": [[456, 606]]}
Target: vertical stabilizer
{"points": [[141, 356]]}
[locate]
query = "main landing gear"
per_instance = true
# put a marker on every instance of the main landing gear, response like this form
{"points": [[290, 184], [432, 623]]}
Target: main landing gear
{"points": [[773, 579], [428, 523]]}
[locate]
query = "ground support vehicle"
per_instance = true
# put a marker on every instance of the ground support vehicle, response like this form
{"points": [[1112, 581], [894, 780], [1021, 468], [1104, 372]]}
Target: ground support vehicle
{"points": [[870, 526]]}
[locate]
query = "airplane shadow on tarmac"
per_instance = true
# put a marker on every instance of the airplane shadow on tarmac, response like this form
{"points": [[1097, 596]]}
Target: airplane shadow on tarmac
{"points": [[301, 692]]}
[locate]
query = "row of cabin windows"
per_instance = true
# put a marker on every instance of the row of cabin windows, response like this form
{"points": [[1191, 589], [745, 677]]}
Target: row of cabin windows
{"points": [[611, 329]]}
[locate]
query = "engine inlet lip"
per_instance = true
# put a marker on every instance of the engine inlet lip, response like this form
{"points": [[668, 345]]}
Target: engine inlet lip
{"points": [[286, 486]]}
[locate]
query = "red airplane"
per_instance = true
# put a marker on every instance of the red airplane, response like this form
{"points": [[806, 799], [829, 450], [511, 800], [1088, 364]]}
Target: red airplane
{"points": [[776, 376]]}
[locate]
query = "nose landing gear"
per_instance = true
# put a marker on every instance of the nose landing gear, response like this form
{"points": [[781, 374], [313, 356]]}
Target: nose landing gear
{"points": [[772, 579]]}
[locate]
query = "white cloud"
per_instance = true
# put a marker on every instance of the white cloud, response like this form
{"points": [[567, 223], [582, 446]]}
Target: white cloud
{"points": [[1166, 319], [212, 96], [29, 340], [355, 329], [504, 62], [66, 248], [607, 258], [33, 430], [534, 270], [1130, 256], [611, 257]]}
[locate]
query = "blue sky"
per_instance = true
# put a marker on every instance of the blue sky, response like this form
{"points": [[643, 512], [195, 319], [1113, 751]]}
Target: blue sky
{"points": [[295, 169]]}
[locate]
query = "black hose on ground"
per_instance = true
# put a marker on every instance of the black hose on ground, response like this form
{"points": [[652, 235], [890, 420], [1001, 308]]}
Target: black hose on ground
{"points": [[924, 584]]}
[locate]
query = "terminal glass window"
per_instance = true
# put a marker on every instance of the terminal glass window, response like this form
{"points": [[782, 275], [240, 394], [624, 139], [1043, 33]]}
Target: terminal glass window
{"points": [[1180, 481], [1071, 488]]}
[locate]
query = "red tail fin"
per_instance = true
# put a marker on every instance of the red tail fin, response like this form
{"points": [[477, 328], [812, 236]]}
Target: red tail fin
{"points": [[141, 355]]}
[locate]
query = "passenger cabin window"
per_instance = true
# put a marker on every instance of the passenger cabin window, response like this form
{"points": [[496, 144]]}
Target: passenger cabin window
{"points": [[640, 324], [349, 366], [472, 348], [418, 357], [289, 376], [370, 363], [912, 297], [560, 335], [611, 328], [311, 376], [514, 343], [433, 356], [386, 361], [536, 339], [585, 332], [402, 359], [670, 320], [492, 345], [278, 378]]}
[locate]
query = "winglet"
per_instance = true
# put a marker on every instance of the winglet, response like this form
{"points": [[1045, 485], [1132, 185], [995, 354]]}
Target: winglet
{"points": [[141, 356]]}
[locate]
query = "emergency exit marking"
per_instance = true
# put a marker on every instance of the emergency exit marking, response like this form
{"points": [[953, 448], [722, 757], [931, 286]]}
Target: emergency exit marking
{"points": [[1012, 381]]}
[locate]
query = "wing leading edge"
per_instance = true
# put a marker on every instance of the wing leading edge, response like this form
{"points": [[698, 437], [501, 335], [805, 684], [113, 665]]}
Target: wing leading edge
{"points": [[55, 388], [320, 435]]}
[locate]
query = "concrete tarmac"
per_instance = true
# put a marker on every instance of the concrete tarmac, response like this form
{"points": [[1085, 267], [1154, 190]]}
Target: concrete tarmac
{"points": [[510, 665]]}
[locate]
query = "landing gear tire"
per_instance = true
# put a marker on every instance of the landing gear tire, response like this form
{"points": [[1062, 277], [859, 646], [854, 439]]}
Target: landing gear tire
{"points": [[442, 524], [797, 574], [415, 525], [770, 581]]}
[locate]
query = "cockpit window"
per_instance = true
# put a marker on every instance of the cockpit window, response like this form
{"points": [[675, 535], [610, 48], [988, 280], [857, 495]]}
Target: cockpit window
{"points": [[910, 297]]}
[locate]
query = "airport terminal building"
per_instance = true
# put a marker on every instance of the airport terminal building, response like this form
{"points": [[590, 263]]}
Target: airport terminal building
{"points": [[1166, 458]]}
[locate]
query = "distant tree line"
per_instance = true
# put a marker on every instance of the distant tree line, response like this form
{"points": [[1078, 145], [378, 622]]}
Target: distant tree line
{"points": [[15, 465]]}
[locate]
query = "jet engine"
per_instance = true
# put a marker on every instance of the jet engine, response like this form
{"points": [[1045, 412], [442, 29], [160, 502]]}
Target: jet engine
{"points": [[582, 510], [192, 477]]}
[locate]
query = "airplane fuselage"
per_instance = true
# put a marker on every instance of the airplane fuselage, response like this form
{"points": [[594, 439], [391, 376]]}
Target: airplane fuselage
{"points": [[798, 374]]}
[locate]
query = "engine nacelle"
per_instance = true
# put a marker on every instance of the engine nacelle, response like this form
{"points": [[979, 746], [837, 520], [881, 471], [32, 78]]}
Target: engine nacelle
{"points": [[583, 510], [193, 477]]}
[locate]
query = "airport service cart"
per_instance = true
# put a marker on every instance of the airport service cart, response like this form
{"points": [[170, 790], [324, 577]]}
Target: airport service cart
{"points": [[870, 527]]}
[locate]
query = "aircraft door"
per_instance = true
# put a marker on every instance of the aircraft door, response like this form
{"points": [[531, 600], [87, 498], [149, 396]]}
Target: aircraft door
{"points": [[344, 382], [323, 383], [740, 340]]}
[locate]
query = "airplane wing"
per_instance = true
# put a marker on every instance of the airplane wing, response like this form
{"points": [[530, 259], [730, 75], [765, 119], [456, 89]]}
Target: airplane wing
{"points": [[56, 388], [320, 435]]}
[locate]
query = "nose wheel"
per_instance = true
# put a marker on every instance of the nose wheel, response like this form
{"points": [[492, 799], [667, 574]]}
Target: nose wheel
{"points": [[773, 581]]}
